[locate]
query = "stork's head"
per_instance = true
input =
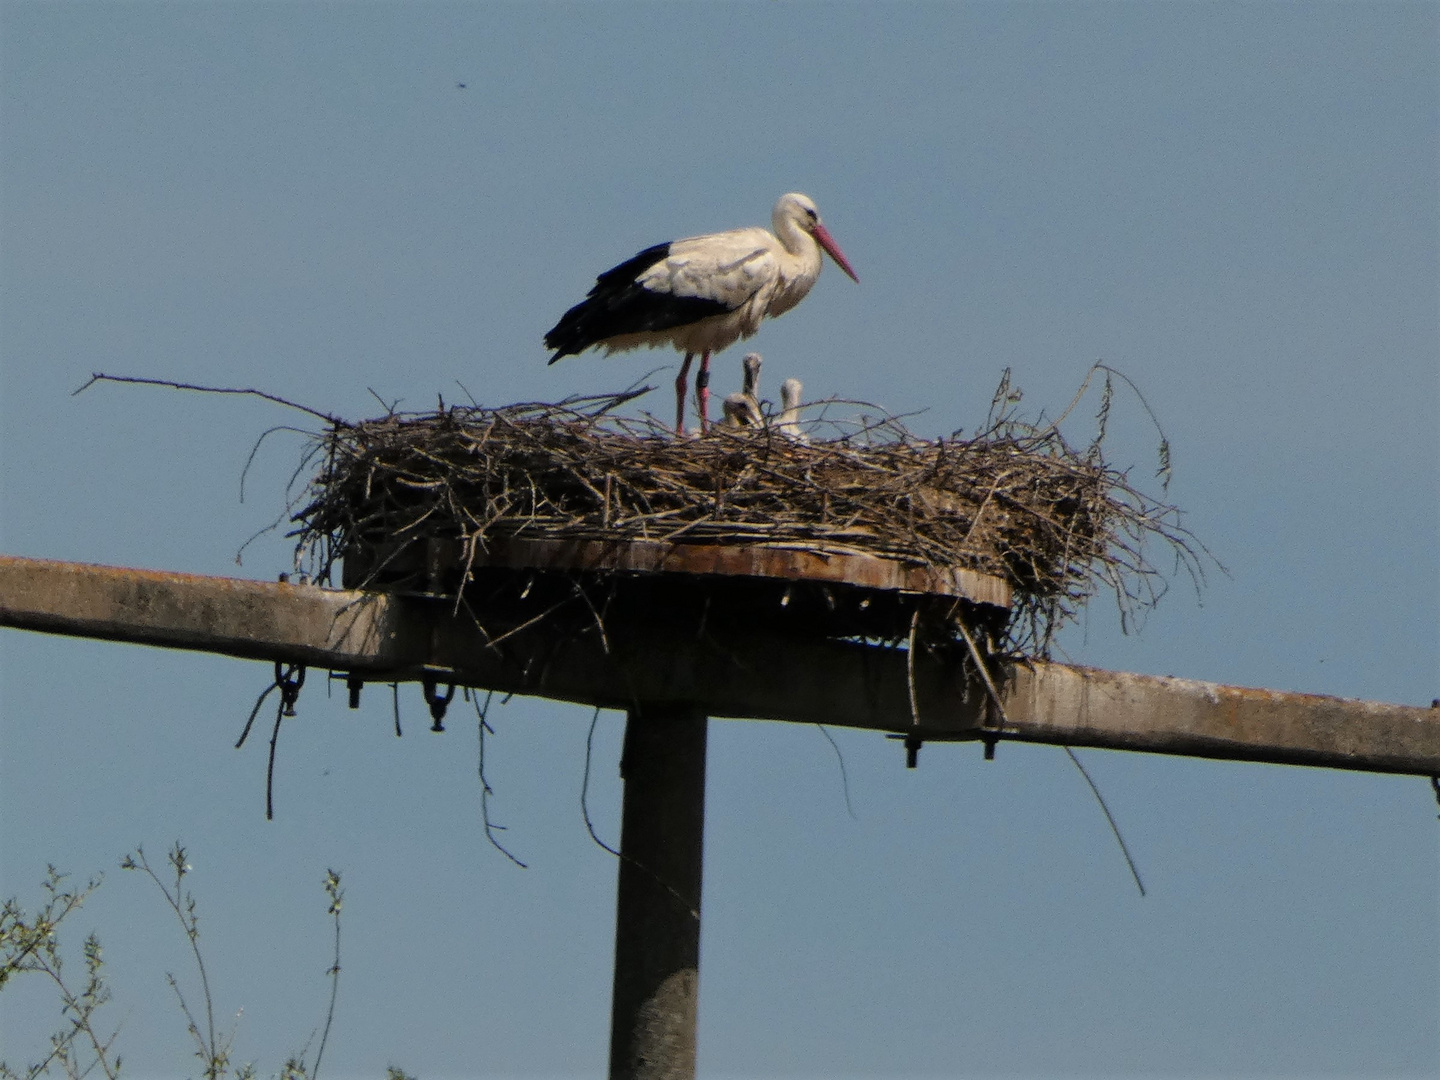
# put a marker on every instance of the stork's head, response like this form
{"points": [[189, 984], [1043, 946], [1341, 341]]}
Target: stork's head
{"points": [[799, 210]]}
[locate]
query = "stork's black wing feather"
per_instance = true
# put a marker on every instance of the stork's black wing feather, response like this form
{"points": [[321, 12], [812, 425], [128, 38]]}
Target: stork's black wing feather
{"points": [[618, 304]]}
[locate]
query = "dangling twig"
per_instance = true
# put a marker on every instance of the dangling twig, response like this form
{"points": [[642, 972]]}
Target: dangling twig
{"points": [[270, 764], [1114, 828], [844, 777], [288, 680], [622, 856], [982, 668], [481, 711], [585, 786], [253, 713], [1005, 721]]}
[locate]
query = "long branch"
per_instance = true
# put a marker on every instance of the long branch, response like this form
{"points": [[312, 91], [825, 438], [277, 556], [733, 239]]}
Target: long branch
{"points": [[276, 398]]}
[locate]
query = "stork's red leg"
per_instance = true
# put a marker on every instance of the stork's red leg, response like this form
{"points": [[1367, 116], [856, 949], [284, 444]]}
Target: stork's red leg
{"points": [[702, 391], [681, 381]]}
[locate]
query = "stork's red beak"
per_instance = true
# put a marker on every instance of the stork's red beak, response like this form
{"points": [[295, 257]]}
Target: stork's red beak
{"points": [[826, 241]]}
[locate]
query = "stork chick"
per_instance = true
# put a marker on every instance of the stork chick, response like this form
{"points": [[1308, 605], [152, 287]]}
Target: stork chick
{"points": [[743, 409], [788, 423]]}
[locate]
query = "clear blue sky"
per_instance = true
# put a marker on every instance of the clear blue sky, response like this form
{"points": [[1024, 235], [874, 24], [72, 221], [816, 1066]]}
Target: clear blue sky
{"points": [[1235, 204]]}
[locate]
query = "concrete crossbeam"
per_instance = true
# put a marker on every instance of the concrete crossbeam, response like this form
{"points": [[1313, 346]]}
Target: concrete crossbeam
{"points": [[756, 675]]}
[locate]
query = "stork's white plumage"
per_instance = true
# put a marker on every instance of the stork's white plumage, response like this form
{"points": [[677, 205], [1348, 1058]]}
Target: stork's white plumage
{"points": [[743, 409], [702, 294]]}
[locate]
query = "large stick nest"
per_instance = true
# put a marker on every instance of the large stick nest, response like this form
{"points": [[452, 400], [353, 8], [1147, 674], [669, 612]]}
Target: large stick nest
{"points": [[1017, 501]]}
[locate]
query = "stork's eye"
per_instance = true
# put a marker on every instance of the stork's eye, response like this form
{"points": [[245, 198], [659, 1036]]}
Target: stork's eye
{"points": [[811, 214]]}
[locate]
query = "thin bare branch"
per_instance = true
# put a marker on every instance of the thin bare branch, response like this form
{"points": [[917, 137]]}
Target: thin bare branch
{"points": [[585, 786], [844, 776], [330, 419], [482, 713], [1114, 828]]}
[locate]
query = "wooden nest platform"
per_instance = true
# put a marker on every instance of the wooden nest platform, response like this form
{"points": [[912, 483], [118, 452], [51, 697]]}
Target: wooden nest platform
{"points": [[860, 529]]}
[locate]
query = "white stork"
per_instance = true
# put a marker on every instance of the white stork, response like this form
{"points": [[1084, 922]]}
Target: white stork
{"points": [[788, 423], [743, 409], [701, 294]]}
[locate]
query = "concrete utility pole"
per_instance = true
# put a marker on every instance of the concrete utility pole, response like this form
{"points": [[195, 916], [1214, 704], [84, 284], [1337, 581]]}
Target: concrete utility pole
{"points": [[657, 909], [670, 682]]}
